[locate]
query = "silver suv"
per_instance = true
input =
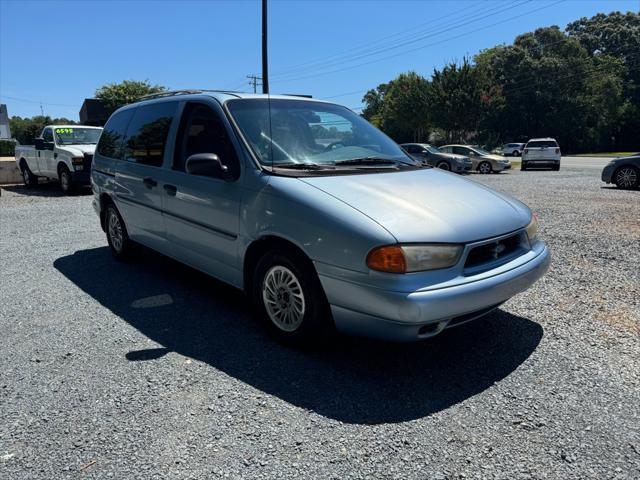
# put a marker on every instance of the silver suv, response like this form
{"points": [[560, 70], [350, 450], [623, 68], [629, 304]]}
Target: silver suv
{"points": [[513, 149], [321, 218], [541, 153]]}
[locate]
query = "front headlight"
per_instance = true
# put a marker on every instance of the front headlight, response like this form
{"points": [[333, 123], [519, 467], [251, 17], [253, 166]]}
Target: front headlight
{"points": [[532, 229], [413, 258]]}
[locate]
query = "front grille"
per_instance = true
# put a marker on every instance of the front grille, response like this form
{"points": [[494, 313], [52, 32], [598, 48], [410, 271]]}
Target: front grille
{"points": [[492, 254], [88, 159]]}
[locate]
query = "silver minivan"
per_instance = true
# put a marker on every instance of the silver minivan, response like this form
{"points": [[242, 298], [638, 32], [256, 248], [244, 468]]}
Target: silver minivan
{"points": [[322, 219]]}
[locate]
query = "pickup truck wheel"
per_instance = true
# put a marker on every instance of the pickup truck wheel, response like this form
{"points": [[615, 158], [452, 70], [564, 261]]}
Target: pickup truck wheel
{"points": [[288, 294], [29, 179], [117, 235], [485, 167], [66, 184], [443, 166]]}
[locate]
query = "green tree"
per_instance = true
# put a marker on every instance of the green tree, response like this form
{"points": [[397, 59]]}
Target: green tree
{"points": [[455, 100], [115, 95], [26, 130]]}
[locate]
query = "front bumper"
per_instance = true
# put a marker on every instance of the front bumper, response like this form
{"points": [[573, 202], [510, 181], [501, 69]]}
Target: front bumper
{"points": [[400, 316], [607, 173]]}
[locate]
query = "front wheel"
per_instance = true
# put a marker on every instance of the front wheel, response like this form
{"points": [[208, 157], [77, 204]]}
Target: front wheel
{"points": [[288, 293], [443, 166], [485, 167], [627, 177], [66, 183]]}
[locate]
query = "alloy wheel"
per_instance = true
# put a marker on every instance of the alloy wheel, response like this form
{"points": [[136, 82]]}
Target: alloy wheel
{"points": [[283, 298], [626, 177], [115, 231], [485, 167]]}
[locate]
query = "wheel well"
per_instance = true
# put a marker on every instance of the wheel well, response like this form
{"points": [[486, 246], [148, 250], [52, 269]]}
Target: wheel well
{"points": [[22, 163], [105, 200], [260, 247], [61, 165]]}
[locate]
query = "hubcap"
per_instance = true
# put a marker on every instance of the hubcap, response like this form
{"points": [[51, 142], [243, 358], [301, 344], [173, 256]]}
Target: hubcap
{"points": [[443, 166], [64, 181], [626, 177], [485, 168], [283, 298], [115, 231], [26, 177]]}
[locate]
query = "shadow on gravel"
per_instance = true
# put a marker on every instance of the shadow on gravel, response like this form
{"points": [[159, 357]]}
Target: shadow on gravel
{"points": [[46, 189], [353, 380]]}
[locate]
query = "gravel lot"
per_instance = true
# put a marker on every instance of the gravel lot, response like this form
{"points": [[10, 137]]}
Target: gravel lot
{"points": [[151, 370]]}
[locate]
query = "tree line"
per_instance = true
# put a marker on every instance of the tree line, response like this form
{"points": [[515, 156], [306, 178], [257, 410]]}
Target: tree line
{"points": [[580, 86]]}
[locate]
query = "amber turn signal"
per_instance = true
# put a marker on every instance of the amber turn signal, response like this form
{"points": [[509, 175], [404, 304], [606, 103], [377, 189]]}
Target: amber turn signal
{"points": [[387, 259]]}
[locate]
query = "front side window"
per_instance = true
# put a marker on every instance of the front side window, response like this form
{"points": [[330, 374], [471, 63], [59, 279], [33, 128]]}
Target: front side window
{"points": [[202, 131], [112, 138], [47, 135], [291, 132], [147, 133], [77, 136]]}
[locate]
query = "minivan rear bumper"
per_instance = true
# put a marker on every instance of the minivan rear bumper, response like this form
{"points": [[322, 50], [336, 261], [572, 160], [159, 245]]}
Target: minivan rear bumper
{"points": [[422, 314]]}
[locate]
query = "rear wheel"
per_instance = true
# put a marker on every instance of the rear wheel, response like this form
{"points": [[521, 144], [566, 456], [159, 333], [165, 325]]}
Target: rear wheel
{"points": [[515, 153], [627, 177], [117, 235], [556, 168], [523, 166], [66, 183], [485, 167], [443, 166], [29, 179], [288, 293]]}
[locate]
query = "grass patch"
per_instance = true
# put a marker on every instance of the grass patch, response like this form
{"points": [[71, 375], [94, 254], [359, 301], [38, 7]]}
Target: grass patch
{"points": [[606, 154]]}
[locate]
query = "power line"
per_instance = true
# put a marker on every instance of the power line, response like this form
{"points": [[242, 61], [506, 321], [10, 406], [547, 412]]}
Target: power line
{"points": [[38, 102], [253, 80], [464, 21], [421, 47]]}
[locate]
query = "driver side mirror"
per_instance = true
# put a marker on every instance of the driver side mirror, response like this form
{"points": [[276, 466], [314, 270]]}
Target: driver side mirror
{"points": [[207, 165]]}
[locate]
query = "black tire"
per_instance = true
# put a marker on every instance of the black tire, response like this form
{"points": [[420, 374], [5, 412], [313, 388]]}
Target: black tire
{"points": [[556, 168], [523, 166], [314, 324], [442, 165], [66, 182], [515, 153], [29, 179], [119, 243], [485, 167], [627, 177]]}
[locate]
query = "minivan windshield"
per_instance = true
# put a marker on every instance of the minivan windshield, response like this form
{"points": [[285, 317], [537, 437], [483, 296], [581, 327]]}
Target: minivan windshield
{"points": [[77, 136], [302, 133]]}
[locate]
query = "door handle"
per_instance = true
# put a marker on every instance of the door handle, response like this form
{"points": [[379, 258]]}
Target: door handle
{"points": [[149, 182], [170, 189]]}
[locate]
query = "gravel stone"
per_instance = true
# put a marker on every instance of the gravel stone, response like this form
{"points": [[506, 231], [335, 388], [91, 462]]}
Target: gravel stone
{"points": [[149, 369]]}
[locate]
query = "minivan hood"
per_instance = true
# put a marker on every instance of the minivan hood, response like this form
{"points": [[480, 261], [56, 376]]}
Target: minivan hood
{"points": [[427, 205]]}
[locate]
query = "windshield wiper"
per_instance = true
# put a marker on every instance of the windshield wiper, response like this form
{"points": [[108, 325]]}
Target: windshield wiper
{"points": [[367, 161], [300, 166]]}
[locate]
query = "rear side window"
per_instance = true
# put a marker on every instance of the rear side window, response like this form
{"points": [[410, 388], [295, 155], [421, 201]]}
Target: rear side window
{"points": [[111, 140], [542, 143], [147, 133]]}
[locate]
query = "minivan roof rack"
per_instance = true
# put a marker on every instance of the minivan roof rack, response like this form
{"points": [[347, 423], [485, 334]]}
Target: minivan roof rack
{"points": [[170, 93]]}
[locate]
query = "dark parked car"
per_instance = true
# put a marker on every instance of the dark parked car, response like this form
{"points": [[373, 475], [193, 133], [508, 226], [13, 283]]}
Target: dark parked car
{"points": [[623, 171], [430, 155]]}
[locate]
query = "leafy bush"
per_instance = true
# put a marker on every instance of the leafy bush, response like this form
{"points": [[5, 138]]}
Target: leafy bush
{"points": [[7, 147]]}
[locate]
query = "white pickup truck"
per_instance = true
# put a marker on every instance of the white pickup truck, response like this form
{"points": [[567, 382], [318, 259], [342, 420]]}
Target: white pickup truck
{"points": [[61, 152]]}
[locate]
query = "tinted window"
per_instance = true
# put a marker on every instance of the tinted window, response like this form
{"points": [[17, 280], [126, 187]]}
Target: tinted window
{"points": [[47, 135], [412, 149], [460, 150], [542, 143], [147, 133], [202, 131], [110, 144]]}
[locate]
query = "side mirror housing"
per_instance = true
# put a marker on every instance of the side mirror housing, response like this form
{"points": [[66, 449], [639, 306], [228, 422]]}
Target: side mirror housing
{"points": [[207, 165]]}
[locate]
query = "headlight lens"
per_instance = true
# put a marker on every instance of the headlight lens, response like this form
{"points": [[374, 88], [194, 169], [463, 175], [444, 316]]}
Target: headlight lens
{"points": [[532, 229], [413, 258]]}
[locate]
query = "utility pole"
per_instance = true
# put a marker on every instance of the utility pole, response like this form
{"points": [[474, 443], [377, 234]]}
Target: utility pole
{"points": [[265, 62], [253, 81]]}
